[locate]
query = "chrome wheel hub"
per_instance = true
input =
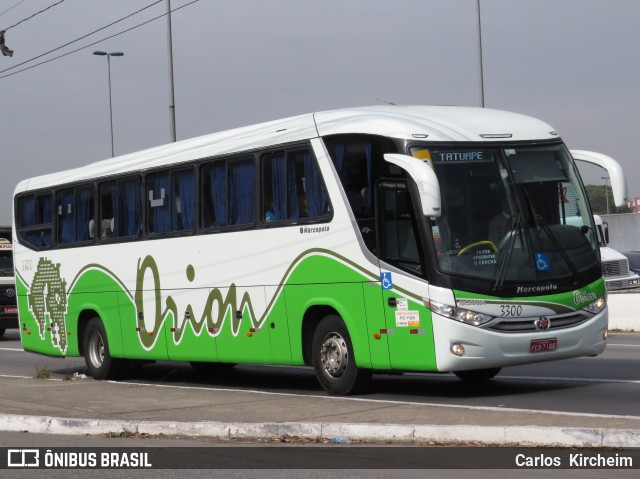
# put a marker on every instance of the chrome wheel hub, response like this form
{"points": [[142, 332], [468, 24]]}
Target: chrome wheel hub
{"points": [[96, 350], [334, 355]]}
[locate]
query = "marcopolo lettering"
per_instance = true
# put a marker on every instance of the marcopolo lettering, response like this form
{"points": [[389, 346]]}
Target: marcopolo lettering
{"points": [[543, 288], [313, 229]]}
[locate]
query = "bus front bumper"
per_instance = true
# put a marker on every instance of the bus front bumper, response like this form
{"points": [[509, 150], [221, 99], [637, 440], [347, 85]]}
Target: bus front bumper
{"points": [[478, 348]]}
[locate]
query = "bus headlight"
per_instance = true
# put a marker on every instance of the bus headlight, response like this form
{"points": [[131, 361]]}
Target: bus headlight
{"points": [[598, 305], [472, 318]]}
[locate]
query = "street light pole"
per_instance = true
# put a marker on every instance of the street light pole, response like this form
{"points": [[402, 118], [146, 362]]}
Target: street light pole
{"points": [[606, 190], [172, 102], [109, 55], [480, 66]]}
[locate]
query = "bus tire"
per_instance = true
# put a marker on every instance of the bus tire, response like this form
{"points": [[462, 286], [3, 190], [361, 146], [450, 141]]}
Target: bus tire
{"points": [[100, 364], [2, 330], [333, 359], [477, 375]]}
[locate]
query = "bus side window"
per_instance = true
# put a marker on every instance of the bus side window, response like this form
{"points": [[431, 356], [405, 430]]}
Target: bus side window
{"points": [[158, 203], [229, 193], [120, 208], [292, 187], [184, 204], [74, 210], [214, 195], [242, 192], [34, 225]]}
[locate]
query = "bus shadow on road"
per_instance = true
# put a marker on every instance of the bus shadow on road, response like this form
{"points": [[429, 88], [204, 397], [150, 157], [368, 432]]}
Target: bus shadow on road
{"points": [[302, 380]]}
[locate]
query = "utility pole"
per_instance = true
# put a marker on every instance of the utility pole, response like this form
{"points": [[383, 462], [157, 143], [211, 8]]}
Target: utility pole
{"points": [[172, 106], [480, 54]]}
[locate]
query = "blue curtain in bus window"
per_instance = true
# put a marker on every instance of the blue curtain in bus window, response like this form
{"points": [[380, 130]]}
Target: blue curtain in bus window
{"points": [[339, 159], [65, 217], [161, 213], [316, 196], [186, 185], [218, 180], [278, 186], [242, 193], [45, 209], [28, 212], [129, 222], [369, 193], [29, 219], [45, 213], [292, 191], [84, 213], [111, 228]]}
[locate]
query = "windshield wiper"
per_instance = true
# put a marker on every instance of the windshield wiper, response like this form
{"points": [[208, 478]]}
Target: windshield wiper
{"points": [[505, 260], [541, 224]]}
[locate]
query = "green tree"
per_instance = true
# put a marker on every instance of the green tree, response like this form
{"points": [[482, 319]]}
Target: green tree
{"points": [[598, 200]]}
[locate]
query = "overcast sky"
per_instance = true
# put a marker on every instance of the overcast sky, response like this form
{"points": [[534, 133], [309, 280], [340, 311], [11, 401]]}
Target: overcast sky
{"points": [[572, 63]]}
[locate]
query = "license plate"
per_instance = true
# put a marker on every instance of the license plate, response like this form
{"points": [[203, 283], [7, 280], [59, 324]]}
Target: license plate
{"points": [[10, 310], [542, 345]]}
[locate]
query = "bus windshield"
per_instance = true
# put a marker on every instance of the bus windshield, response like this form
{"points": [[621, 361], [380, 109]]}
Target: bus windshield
{"points": [[505, 214]]}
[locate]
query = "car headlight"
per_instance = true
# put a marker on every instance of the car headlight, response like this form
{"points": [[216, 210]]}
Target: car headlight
{"points": [[472, 318], [598, 305]]}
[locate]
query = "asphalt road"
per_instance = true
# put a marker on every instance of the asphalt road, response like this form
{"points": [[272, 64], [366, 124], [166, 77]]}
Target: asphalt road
{"points": [[608, 384]]}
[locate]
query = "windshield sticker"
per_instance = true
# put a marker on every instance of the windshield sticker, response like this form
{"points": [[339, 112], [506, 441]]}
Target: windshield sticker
{"points": [[484, 257], [542, 262], [423, 155], [407, 319]]}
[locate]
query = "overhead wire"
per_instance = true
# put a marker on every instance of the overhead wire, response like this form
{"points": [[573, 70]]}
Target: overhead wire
{"points": [[90, 44], [78, 39], [11, 8], [37, 13]]}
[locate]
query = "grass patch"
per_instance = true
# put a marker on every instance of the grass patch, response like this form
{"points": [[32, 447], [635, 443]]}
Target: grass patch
{"points": [[43, 373]]}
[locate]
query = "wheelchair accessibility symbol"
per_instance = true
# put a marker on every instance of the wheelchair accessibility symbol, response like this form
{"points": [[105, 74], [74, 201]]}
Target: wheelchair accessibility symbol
{"points": [[386, 280], [542, 262]]}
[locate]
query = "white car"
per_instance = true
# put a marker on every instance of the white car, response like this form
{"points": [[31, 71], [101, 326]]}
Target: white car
{"points": [[615, 266], [8, 307]]}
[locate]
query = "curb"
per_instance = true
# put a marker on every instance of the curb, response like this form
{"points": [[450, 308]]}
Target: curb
{"points": [[337, 432]]}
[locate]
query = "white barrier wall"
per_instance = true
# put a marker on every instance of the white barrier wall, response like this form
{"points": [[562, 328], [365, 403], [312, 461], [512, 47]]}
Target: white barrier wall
{"points": [[624, 310], [624, 231]]}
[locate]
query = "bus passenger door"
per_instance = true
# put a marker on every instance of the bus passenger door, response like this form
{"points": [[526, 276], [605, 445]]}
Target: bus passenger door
{"points": [[409, 328]]}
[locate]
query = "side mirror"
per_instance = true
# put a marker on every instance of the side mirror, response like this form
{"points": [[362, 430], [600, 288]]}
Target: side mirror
{"points": [[616, 174], [425, 178], [605, 226]]}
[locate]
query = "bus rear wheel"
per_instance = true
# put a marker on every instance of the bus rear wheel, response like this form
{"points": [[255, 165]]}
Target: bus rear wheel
{"points": [[477, 375], [333, 359], [100, 364]]}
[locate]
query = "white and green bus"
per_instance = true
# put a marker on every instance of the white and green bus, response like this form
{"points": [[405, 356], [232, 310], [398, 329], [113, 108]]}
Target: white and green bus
{"points": [[360, 240]]}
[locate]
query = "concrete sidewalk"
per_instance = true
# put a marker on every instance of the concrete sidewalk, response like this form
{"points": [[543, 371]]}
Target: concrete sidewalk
{"points": [[88, 407]]}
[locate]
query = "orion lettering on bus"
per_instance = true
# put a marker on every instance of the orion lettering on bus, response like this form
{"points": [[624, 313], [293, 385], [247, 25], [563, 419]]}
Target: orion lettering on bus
{"points": [[215, 310]]}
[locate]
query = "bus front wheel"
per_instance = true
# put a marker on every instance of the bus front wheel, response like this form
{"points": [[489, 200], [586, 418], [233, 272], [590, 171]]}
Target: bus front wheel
{"points": [[100, 364], [333, 359]]}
